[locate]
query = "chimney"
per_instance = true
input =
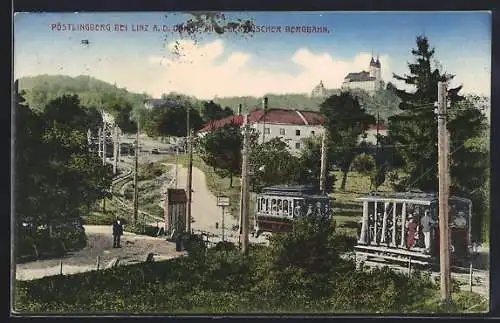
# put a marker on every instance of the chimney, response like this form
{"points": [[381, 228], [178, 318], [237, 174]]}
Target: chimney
{"points": [[264, 103], [239, 110]]}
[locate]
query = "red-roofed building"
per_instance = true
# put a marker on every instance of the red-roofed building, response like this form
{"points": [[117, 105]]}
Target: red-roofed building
{"points": [[291, 125]]}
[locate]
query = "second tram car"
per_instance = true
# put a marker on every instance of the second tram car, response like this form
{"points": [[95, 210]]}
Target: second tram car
{"points": [[278, 206], [405, 227]]}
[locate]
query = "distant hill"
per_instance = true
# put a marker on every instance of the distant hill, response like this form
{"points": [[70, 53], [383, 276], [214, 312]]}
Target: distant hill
{"points": [[383, 101], [41, 89], [288, 101]]}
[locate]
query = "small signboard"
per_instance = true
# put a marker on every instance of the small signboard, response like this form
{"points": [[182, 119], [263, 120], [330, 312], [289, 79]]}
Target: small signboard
{"points": [[222, 201]]}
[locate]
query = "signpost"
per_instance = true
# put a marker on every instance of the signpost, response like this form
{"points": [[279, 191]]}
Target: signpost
{"points": [[223, 201]]}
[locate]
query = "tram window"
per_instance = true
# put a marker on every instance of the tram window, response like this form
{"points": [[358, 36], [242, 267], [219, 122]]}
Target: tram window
{"points": [[285, 206], [280, 206], [273, 205], [267, 205]]}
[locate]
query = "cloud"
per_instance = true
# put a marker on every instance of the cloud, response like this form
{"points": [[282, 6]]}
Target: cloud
{"points": [[211, 69], [207, 70]]}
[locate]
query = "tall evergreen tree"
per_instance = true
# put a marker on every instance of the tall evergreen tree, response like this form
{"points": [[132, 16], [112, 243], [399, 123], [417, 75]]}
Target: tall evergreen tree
{"points": [[414, 131]]}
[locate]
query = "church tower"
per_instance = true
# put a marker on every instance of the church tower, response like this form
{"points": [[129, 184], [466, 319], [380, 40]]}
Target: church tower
{"points": [[378, 73], [373, 67]]}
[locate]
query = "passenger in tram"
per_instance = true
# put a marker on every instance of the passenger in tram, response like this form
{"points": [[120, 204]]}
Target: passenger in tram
{"points": [[285, 208], [309, 210], [274, 209], [425, 227], [412, 233], [319, 212], [380, 222], [371, 228], [280, 208]]}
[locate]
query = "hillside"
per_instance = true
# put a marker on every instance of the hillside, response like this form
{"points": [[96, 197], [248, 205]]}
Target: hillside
{"points": [[92, 92], [384, 101], [41, 89]]}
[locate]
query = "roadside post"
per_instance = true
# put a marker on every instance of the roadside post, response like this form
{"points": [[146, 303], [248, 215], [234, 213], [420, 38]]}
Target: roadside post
{"points": [[223, 202]]}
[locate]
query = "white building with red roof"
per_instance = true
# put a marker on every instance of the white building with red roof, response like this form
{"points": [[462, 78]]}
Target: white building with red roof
{"points": [[292, 126]]}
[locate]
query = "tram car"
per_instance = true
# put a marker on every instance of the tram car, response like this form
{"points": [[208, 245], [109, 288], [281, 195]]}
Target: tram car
{"points": [[278, 207], [404, 227]]}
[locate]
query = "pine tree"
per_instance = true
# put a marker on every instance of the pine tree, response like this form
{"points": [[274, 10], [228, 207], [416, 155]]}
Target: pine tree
{"points": [[414, 131]]}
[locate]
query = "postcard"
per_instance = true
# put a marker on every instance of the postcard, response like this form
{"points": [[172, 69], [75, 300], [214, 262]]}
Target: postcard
{"points": [[230, 163]]}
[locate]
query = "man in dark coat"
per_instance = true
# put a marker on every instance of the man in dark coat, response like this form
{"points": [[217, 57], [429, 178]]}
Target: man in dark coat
{"points": [[117, 233]]}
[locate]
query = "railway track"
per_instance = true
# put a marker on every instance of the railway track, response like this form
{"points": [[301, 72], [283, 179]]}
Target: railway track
{"points": [[480, 278], [118, 183]]}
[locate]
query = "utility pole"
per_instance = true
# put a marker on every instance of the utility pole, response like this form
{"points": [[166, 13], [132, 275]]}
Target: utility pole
{"points": [[264, 118], [119, 145], [89, 140], [244, 191], [189, 174], [322, 178], [444, 236], [99, 142], [115, 149], [136, 168], [103, 144], [176, 165]]}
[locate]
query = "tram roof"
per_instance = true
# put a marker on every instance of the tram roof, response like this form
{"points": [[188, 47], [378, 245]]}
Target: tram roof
{"points": [[409, 197], [310, 191]]}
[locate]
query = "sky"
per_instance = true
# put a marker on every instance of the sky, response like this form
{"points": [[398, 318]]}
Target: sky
{"points": [[210, 65]]}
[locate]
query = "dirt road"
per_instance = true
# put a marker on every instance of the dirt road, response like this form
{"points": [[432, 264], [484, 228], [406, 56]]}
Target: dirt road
{"points": [[135, 248], [204, 210]]}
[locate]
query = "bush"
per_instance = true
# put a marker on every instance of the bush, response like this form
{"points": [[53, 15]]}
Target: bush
{"points": [[363, 164], [225, 246], [222, 280], [64, 238], [150, 171]]}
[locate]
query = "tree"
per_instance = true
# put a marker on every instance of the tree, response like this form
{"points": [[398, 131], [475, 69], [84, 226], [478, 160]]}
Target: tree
{"points": [[363, 164], [57, 178], [310, 164], [123, 117], [415, 132], [271, 163], [213, 111], [171, 119], [221, 149], [345, 121], [378, 176]]}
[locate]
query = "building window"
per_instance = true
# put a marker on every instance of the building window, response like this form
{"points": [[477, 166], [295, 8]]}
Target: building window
{"points": [[282, 132], [297, 145], [297, 132], [312, 132], [267, 131]]}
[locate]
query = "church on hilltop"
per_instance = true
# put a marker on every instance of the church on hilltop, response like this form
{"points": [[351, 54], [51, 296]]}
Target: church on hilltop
{"points": [[369, 81]]}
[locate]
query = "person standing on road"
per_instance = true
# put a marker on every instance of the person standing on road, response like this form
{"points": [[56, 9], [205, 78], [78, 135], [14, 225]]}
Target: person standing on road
{"points": [[117, 233]]}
